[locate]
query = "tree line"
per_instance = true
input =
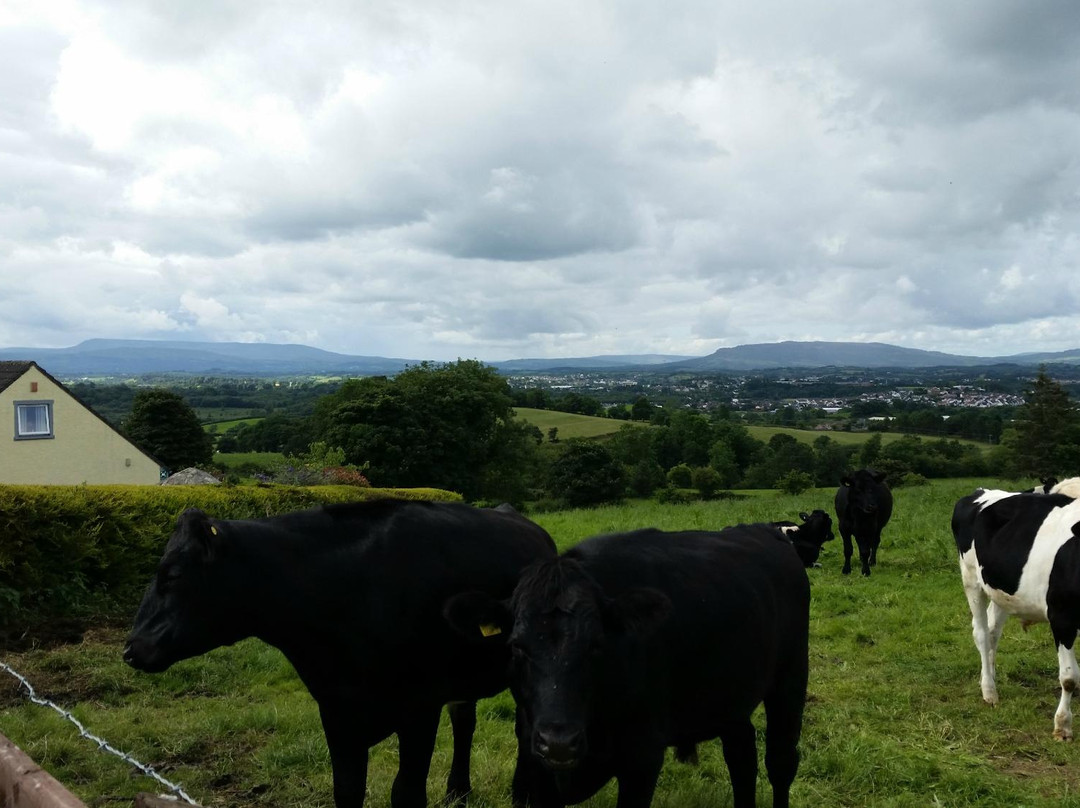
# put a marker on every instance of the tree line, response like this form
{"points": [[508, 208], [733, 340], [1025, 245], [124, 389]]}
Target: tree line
{"points": [[454, 426]]}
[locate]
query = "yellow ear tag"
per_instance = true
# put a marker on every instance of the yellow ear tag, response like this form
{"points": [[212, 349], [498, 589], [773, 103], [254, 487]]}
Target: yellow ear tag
{"points": [[213, 530], [490, 629]]}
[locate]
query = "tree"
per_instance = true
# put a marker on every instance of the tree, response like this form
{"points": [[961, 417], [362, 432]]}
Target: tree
{"points": [[448, 426], [165, 427], [641, 410], [1047, 431], [586, 474]]}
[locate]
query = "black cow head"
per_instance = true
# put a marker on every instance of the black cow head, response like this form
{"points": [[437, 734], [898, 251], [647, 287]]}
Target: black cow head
{"points": [[862, 491], [564, 636], [184, 611], [815, 530]]}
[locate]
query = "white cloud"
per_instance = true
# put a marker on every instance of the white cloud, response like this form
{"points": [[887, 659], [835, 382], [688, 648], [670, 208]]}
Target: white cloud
{"points": [[435, 180]]}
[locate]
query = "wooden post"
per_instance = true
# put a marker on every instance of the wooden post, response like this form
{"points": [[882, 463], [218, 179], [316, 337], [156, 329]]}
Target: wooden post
{"points": [[24, 784]]}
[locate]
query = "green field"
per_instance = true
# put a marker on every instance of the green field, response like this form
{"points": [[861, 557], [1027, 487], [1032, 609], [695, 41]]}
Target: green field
{"points": [[894, 716], [571, 425], [221, 427]]}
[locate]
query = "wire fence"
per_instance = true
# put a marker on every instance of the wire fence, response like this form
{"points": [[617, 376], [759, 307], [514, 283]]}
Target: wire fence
{"points": [[102, 744]]}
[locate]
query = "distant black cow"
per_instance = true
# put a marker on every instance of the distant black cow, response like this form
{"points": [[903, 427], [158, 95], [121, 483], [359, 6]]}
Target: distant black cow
{"points": [[863, 507], [808, 537], [1020, 555], [353, 596], [630, 643]]}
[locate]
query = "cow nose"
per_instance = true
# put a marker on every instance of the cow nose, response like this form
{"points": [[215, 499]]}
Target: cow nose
{"points": [[559, 746], [129, 653]]}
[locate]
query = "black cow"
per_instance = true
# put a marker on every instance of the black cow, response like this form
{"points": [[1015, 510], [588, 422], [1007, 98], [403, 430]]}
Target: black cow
{"points": [[863, 507], [808, 538], [1020, 555], [353, 596], [629, 643]]}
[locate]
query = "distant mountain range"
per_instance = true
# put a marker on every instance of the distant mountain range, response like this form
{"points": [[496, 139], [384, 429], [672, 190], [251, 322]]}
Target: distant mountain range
{"points": [[125, 358]]}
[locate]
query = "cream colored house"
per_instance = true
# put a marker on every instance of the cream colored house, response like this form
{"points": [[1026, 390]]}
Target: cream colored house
{"points": [[54, 439]]}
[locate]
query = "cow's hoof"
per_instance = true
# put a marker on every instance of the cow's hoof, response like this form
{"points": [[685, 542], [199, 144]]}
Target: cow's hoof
{"points": [[846, 570], [992, 699], [1063, 735]]}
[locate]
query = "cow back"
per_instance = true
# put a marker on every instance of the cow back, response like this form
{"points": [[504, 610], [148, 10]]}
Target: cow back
{"points": [[739, 618]]}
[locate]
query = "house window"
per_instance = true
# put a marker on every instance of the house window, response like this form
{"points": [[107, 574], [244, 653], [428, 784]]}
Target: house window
{"points": [[33, 420]]}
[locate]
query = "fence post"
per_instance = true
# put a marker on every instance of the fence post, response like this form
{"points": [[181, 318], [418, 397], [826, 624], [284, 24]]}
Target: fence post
{"points": [[24, 784]]}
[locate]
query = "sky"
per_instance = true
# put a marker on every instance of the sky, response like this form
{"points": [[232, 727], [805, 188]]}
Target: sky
{"points": [[435, 179]]}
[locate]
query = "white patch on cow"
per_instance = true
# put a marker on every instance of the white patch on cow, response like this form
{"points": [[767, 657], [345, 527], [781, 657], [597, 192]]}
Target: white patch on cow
{"points": [[785, 529], [1069, 487]]}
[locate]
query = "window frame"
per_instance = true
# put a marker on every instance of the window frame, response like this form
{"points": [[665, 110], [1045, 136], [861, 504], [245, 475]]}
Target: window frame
{"points": [[48, 405]]}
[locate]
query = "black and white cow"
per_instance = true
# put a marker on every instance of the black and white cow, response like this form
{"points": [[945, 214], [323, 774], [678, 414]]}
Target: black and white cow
{"points": [[630, 643], [808, 538], [353, 596], [1020, 555], [863, 507]]}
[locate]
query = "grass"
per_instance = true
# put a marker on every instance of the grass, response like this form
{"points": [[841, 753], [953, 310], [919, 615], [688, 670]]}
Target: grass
{"points": [[264, 460], [571, 425], [221, 427], [894, 717]]}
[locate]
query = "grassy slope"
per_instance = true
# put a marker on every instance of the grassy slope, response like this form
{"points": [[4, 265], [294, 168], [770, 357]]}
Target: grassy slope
{"points": [[894, 716]]}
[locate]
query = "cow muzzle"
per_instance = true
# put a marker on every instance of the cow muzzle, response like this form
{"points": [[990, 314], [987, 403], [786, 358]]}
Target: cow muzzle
{"points": [[559, 746]]}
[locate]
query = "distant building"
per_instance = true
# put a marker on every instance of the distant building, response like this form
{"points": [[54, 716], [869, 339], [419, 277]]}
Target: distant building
{"points": [[55, 439]]}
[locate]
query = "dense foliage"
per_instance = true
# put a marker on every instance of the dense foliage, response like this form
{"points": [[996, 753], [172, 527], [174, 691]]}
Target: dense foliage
{"points": [[80, 551], [163, 425]]}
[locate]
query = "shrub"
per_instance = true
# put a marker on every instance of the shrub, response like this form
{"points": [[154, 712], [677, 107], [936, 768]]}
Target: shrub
{"points": [[680, 476], [707, 481], [795, 482], [89, 551], [586, 474]]}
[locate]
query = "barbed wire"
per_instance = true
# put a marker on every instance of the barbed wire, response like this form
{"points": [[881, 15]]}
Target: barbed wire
{"points": [[102, 744]]}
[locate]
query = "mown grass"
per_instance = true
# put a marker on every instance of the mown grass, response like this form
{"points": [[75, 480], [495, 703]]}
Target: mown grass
{"points": [[894, 717]]}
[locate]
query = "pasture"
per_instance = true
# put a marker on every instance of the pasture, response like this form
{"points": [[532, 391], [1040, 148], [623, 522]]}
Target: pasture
{"points": [[894, 716]]}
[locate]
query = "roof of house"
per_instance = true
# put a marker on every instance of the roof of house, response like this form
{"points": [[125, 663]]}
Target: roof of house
{"points": [[10, 370]]}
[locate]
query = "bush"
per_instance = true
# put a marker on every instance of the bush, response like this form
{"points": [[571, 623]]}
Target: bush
{"points": [[680, 476], [795, 482], [913, 479], [89, 551], [707, 481], [676, 496], [586, 474]]}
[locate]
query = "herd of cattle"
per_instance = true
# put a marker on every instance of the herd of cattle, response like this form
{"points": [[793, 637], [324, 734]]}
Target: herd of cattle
{"points": [[614, 650]]}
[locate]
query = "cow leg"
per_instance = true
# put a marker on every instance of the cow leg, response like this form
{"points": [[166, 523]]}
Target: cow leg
{"points": [[865, 554], [783, 717], [348, 756], [416, 742], [980, 606], [1064, 632], [463, 723], [873, 550], [846, 536], [637, 781], [740, 754]]}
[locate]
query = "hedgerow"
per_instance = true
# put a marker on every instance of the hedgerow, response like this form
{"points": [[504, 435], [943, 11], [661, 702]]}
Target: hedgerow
{"points": [[76, 553]]}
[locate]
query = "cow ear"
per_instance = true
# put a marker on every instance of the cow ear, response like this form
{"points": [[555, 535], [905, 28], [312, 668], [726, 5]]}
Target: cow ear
{"points": [[804, 515], [845, 481], [638, 611], [477, 615], [201, 530]]}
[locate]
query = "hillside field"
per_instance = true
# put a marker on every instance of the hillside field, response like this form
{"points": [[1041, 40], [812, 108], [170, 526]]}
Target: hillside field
{"points": [[894, 717]]}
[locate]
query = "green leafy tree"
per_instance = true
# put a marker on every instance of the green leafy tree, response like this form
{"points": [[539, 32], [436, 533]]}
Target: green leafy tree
{"points": [[870, 452], [795, 482], [449, 426], [641, 410], [680, 476], [707, 481], [1047, 431], [645, 477], [585, 473], [163, 425]]}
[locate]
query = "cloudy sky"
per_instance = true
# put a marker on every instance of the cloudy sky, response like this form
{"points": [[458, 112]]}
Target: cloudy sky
{"points": [[481, 178]]}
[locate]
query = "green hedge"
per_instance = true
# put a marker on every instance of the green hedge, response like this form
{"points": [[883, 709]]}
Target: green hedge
{"points": [[70, 554]]}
